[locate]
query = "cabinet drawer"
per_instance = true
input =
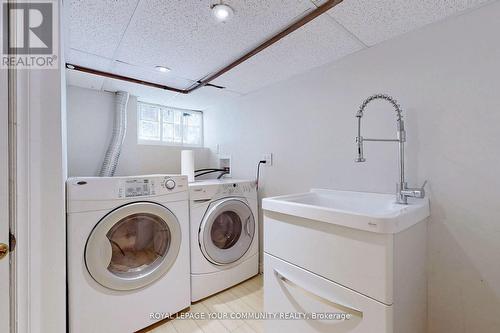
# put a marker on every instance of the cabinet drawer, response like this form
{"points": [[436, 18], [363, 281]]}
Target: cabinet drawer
{"points": [[359, 260], [291, 289]]}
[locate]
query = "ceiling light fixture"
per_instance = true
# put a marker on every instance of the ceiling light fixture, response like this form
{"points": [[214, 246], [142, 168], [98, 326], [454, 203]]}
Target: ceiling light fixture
{"points": [[222, 12], [162, 69]]}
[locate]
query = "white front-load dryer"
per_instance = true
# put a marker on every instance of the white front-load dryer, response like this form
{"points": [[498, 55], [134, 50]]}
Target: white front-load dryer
{"points": [[224, 235], [128, 251]]}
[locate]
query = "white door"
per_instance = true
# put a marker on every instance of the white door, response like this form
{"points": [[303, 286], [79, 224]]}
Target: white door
{"points": [[133, 246], [227, 231], [4, 204]]}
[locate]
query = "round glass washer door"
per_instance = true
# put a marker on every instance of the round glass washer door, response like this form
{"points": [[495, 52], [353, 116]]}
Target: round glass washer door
{"points": [[133, 246], [227, 231]]}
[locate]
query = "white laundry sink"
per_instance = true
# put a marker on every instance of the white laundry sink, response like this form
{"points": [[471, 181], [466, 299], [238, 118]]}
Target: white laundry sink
{"points": [[357, 253], [374, 212]]}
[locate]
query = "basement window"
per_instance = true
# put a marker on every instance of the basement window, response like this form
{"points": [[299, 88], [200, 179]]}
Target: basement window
{"points": [[163, 125]]}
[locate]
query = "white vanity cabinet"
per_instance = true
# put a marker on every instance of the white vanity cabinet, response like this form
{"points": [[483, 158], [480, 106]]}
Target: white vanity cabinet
{"points": [[366, 281]]}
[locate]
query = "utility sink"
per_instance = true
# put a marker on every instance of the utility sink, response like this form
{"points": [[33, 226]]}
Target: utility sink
{"points": [[373, 212], [346, 252]]}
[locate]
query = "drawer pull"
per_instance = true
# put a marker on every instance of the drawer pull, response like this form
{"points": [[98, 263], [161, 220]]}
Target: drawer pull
{"points": [[314, 295], [247, 226], [201, 200]]}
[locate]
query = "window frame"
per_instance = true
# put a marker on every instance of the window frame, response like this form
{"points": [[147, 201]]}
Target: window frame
{"points": [[160, 142]]}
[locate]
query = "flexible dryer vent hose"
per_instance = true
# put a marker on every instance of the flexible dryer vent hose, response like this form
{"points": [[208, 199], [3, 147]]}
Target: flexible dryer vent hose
{"points": [[119, 130]]}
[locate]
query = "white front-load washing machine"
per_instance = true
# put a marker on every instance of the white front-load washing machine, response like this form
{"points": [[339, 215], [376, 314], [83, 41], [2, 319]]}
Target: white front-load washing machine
{"points": [[128, 251], [224, 235]]}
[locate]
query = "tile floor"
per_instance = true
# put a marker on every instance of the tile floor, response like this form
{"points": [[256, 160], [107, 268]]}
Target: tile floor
{"points": [[243, 298]]}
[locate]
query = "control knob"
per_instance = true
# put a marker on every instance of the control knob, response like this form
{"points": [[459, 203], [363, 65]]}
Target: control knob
{"points": [[170, 184]]}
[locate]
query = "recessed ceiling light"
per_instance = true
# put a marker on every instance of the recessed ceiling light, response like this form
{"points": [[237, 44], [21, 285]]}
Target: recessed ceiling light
{"points": [[222, 12], [162, 69]]}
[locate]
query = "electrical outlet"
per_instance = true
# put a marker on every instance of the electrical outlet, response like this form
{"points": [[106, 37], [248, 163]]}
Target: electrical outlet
{"points": [[268, 158], [225, 162]]}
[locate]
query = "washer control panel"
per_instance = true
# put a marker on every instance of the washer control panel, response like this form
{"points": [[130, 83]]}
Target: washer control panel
{"points": [[149, 186], [137, 187]]}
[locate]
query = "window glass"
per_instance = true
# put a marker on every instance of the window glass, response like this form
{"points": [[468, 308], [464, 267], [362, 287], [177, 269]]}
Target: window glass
{"points": [[168, 116], [168, 132], [166, 125], [150, 130], [149, 113]]}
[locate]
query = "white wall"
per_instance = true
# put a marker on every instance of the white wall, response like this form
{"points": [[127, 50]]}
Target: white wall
{"points": [[447, 78], [90, 124]]}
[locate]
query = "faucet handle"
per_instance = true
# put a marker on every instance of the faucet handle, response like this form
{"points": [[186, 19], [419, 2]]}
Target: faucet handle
{"points": [[420, 192], [414, 192], [423, 185], [359, 142]]}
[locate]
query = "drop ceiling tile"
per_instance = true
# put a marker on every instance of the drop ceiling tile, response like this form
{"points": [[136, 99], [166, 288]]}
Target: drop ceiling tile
{"points": [[96, 26], [149, 94], [150, 74], [203, 98], [84, 80], [374, 21], [184, 36], [319, 42], [84, 59], [138, 72]]}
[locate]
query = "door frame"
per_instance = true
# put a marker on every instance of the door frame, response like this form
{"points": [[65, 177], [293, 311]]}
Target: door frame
{"points": [[37, 171], [5, 298], [8, 191]]}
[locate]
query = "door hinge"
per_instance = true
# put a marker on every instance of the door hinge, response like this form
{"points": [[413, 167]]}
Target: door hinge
{"points": [[12, 242]]}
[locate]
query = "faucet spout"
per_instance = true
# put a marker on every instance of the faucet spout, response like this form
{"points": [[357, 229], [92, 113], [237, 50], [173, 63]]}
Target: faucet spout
{"points": [[403, 192], [385, 97]]}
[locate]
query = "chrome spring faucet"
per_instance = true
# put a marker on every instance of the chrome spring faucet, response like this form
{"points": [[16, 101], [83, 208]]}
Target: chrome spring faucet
{"points": [[402, 191]]}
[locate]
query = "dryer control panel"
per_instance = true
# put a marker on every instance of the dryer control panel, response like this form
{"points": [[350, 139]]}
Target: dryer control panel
{"points": [[237, 188], [214, 189]]}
